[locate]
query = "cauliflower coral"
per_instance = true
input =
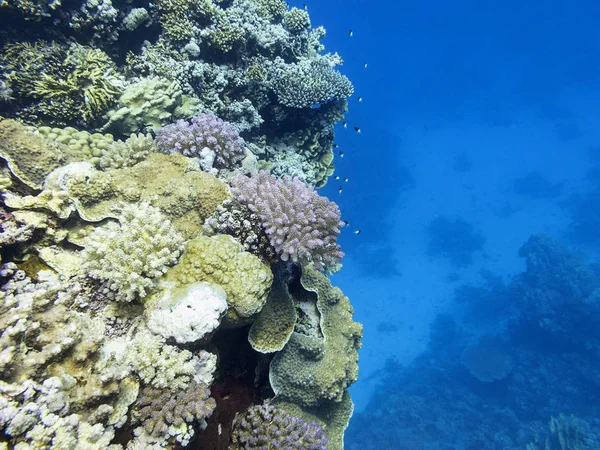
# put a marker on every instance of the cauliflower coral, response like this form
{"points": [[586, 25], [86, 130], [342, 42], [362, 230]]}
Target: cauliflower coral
{"points": [[301, 225]]}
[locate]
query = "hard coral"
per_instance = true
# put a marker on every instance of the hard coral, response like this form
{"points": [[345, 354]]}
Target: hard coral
{"points": [[160, 409], [127, 257], [301, 225], [266, 426], [204, 131]]}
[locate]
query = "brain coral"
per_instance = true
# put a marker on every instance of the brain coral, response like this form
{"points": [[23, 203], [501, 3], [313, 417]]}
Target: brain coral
{"points": [[221, 260], [266, 426], [301, 225]]}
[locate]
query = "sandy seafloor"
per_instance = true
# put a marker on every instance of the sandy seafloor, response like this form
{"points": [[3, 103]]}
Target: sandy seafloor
{"points": [[511, 88]]}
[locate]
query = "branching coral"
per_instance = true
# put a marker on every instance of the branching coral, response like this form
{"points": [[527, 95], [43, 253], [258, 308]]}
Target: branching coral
{"points": [[204, 132], [309, 82], [129, 255], [93, 83], [161, 411], [301, 225], [267, 426]]}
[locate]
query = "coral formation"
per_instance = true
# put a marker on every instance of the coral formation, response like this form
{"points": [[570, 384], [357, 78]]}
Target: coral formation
{"points": [[267, 426], [301, 225], [187, 314], [222, 261], [204, 132], [127, 256]]}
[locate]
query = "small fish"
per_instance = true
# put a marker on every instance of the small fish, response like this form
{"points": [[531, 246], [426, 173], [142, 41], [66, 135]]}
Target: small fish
{"points": [[337, 177], [345, 223], [365, 65], [345, 124], [305, 7], [341, 154], [345, 180], [351, 33], [360, 99], [357, 232], [335, 145], [357, 129], [340, 190]]}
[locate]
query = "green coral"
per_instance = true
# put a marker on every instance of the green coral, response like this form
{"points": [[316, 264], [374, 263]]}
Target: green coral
{"points": [[146, 105], [318, 365], [178, 17], [79, 145], [92, 84], [30, 157], [296, 21], [221, 260], [127, 153], [272, 10], [227, 33], [129, 255]]}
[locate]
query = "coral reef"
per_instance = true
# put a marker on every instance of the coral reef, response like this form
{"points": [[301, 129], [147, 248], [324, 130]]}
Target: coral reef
{"points": [[221, 260], [154, 284]]}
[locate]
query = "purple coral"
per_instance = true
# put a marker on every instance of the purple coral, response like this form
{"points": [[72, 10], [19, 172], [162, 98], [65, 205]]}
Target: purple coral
{"points": [[266, 426], [204, 131], [159, 409], [301, 225]]}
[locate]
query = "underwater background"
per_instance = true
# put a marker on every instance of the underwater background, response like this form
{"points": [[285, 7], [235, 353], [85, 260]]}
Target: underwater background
{"points": [[179, 180], [474, 182]]}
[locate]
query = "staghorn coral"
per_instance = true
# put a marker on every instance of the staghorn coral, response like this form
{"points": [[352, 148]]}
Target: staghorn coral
{"points": [[204, 131], [268, 426], [301, 225], [92, 84], [163, 411], [127, 256]]}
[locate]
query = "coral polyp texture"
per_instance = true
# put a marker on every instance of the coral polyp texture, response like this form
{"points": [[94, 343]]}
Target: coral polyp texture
{"points": [[267, 426], [301, 225], [164, 255], [206, 137]]}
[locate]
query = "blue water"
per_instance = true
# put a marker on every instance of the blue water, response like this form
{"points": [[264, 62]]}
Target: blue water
{"points": [[478, 130]]}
